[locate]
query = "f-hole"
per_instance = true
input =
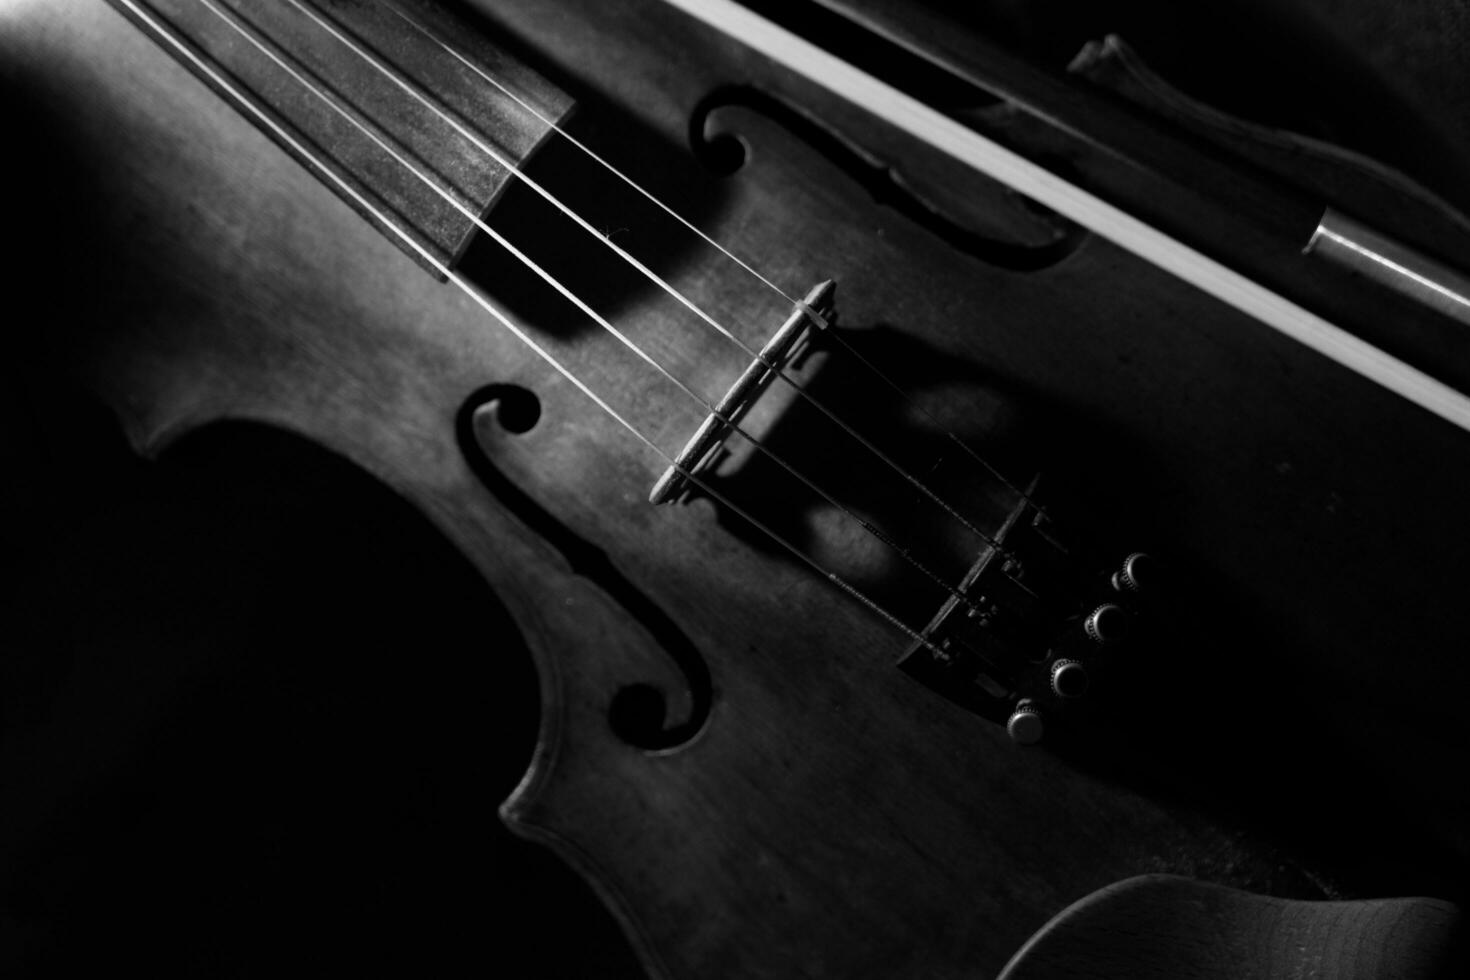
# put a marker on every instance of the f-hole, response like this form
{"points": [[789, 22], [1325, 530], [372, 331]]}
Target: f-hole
{"points": [[724, 153], [638, 713]]}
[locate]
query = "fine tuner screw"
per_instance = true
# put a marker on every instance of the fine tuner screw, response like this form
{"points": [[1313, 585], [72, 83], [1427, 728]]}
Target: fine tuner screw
{"points": [[1108, 623], [1137, 571], [1025, 726], [1069, 678]]}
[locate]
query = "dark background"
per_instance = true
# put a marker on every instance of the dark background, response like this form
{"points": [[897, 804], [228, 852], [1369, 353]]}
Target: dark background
{"points": [[257, 715]]}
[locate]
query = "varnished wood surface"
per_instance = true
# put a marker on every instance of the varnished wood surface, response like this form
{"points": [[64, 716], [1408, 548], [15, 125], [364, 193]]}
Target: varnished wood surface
{"points": [[833, 818], [280, 65], [241, 735], [1157, 926]]}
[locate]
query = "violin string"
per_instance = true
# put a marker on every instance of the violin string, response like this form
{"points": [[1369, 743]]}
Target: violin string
{"points": [[633, 261], [906, 396], [298, 76], [469, 289]]}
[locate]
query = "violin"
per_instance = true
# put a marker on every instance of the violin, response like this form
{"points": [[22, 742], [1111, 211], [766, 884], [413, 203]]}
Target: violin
{"points": [[957, 531]]}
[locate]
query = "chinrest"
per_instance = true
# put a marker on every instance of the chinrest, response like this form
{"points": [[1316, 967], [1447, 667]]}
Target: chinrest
{"points": [[1166, 926]]}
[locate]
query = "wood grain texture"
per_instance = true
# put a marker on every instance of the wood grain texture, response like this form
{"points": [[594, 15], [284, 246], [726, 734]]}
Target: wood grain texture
{"points": [[833, 818], [1157, 926], [366, 119]]}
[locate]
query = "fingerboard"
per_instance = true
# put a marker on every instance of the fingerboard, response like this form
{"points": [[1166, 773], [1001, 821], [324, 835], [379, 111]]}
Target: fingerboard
{"points": [[414, 111]]}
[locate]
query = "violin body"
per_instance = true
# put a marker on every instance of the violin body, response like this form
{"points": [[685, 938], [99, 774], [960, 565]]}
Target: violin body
{"points": [[823, 814]]}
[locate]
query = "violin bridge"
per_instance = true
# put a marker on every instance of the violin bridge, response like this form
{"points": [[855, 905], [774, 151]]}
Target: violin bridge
{"points": [[784, 347]]}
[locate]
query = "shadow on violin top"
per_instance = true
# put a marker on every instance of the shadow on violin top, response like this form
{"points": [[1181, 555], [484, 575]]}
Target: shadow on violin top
{"points": [[912, 435], [1003, 230], [581, 260]]}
